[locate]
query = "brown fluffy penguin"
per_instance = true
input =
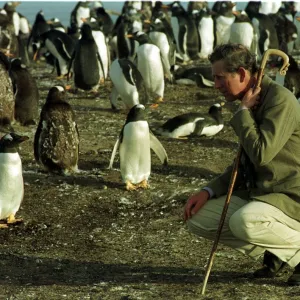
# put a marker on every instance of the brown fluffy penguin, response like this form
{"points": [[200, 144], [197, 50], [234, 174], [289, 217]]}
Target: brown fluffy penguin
{"points": [[7, 101], [26, 93], [56, 141]]}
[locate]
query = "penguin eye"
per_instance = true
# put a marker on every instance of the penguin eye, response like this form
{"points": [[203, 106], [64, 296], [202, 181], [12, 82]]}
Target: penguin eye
{"points": [[8, 137]]}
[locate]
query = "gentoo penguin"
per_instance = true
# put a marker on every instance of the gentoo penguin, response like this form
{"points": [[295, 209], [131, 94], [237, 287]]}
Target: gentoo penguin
{"points": [[135, 142], [286, 30], [194, 124], [127, 80], [197, 75], [56, 24], [11, 179], [223, 19], [86, 61], [39, 26], [105, 19], [187, 40], [149, 63], [80, 11], [7, 100], [205, 25], [241, 31], [24, 32], [103, 50], [26, 93], [8, 38], [265, 35], [56, 141], [167, 47], [61, 46]]}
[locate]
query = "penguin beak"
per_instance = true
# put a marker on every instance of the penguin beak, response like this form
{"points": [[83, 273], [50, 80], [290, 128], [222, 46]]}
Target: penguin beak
{"points": [[298, 19], [20, 139], [147, 21], [83, 20], [35, 55], [222, 103], [129, 36]]}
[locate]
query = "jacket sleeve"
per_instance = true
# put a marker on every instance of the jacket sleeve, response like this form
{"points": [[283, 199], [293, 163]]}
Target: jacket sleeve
{"points": [[264, 139], [220, 184]]}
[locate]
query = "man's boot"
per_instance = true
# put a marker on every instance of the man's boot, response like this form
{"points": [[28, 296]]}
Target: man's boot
{"points": [[272, 266], [295, 278]]}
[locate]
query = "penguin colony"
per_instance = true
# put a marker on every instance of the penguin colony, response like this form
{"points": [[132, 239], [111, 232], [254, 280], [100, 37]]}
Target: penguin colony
{"points": [[148, 47]]}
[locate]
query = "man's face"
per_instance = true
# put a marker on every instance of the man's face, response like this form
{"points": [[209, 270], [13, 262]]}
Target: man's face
{"points": [[231, 85]]}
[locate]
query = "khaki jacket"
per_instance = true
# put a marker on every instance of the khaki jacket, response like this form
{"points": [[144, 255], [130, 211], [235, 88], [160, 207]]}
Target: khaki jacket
{"points": [[271, 139]]}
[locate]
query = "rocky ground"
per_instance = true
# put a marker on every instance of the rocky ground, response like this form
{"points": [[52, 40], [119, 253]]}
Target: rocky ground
{"points": [[86, 237]]}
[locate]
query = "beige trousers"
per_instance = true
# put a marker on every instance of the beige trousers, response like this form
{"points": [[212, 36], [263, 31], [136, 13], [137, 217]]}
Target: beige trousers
{"points": [[250, 227]]}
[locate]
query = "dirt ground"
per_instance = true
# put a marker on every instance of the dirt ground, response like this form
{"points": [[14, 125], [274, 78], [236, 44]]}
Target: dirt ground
{"points": [[86, 237]]}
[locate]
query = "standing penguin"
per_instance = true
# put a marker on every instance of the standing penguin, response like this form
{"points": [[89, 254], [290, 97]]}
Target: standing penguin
{"points": [[135, 142], [125, 76], [81, 10], [86, 61], [56, 141], [11, 179], [150, 65], [26, 93], [7, 101]]}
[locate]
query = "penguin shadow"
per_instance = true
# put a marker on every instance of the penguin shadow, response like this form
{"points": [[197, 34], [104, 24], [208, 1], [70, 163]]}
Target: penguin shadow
{"points": [[40, 271], [84, 178], [183, 171]]}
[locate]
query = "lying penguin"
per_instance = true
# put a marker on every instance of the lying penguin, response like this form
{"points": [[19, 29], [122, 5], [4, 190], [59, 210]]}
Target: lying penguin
{"points": [[194, 124], [11, 178], [135, 142]]}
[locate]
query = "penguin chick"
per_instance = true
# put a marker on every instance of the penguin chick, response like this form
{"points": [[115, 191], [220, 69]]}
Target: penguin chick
{"points": [[11, 178], [194, 124], [135, 142], [56, 141], [26, 93]]}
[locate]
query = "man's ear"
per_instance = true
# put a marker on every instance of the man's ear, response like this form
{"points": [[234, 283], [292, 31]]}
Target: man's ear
{"points": [[242, 72]]}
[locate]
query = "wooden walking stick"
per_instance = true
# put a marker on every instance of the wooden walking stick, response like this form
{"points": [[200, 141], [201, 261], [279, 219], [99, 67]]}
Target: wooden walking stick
{"points": [[283, 70]]}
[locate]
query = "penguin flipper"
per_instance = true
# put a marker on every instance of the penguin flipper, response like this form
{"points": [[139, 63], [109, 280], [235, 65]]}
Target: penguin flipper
{"points": [[158, 148], [36, 142], [58, 43], [114, 153]]}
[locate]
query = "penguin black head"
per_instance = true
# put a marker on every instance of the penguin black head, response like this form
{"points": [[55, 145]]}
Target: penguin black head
{"points": [[16, 64], [86, 31], [10, 142], [215, 109], [136, 113], [56, 94], [141, 37]]}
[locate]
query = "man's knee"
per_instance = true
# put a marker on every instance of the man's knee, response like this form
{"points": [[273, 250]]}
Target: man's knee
{"points": [[241, 226]]}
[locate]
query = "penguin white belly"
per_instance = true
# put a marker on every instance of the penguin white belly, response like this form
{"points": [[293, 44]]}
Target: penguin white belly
{"points": [[161, 41], [16, 22], [206, 33], [211, 130], [11, 184], [135, 157], [82, 12], [62, 63], [102, 49], [150, 66], [127, 91], [223, 25], [241, 33], [24, 27], [181, 131]]}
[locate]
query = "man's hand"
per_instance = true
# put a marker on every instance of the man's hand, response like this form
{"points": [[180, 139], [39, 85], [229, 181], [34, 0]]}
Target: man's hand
{"points": [[251, 98], [194, 203]]}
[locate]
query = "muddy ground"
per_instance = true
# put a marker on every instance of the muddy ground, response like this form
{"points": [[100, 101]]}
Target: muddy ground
{"points": [[86, 237]]}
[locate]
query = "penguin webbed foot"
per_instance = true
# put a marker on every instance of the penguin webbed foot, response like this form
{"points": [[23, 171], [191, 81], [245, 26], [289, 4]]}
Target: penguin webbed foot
{"points": [[130, 186], [12, 220], [143, 184]]}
